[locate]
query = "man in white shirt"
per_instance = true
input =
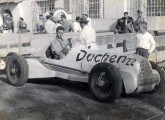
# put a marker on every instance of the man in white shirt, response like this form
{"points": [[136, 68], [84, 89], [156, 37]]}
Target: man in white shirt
{"points": [[87, 35], [145, 41], [76, 25], [50, 27]]}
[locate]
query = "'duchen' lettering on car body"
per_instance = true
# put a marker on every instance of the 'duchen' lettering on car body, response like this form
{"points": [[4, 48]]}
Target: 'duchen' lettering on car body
{"points": [[105, 58]]}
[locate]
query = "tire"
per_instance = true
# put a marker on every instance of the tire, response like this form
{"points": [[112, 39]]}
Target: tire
{"points": [[9, 54], [105, 82], [17, 70], [161, 73]]}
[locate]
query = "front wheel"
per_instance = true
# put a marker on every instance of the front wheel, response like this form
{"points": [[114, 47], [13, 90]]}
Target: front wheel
{"points": [[17, 70], [105, 82]]}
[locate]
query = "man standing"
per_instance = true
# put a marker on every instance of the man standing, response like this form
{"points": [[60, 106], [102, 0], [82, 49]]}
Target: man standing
{"points": [[138, 20], [128, 22], [50, 26], [41, 24], [60, 47], [76, 25], [66, 24], [145, 41], [87, 35], [8, 24]]}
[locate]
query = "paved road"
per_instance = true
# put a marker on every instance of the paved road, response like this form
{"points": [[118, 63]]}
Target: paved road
{"points": [[57, 99]]}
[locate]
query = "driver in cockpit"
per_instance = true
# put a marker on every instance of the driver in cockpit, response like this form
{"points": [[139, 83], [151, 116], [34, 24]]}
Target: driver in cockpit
{"points": [[60, 47]]}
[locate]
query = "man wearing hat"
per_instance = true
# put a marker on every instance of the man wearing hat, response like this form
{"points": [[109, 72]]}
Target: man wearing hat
{"points": [[138, 20], [87, 35], [89, 19]]}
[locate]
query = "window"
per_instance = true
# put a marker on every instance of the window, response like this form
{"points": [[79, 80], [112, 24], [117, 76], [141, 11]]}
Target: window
{"points": [[40, 7], [155, 7], [78, 7], [94, 8]]}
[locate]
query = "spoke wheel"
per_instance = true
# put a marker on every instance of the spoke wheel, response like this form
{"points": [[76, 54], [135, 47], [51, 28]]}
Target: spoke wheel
{"points": [[101, 83], [105, 82], [16, 70]]}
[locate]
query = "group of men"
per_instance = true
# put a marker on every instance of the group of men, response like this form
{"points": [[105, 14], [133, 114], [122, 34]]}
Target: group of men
{"points": [[51, 23], [8, 25], [145, 43], [126, 24], [61, 47]]}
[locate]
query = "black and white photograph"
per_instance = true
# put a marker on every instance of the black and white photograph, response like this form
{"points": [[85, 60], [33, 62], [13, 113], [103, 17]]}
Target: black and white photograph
{"points": [[82, 59]]}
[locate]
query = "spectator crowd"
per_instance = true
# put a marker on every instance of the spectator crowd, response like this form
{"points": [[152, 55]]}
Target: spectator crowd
{"points": [[50, 24], [61, 47], [126, 24]]}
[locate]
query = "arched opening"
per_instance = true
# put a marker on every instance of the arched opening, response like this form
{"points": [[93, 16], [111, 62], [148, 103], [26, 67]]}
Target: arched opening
{"points": [[7, 20], [6, 11], [58, 13]]}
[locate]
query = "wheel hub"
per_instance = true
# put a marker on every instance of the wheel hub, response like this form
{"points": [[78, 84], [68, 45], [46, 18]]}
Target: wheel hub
{"points": [[13, 70], [101, 81]]}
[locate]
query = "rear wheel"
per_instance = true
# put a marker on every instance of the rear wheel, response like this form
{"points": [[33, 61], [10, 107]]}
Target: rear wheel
{"points": [[17, 70], [105, 82]]}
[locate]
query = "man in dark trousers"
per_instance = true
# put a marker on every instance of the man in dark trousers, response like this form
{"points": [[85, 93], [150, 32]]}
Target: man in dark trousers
{"points": [[145, 41]]}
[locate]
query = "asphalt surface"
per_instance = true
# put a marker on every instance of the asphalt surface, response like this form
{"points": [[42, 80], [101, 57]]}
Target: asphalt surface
{"points": [[58, 99]]}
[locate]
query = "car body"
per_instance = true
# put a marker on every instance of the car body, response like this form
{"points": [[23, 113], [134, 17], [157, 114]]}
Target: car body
{"points": [[77, 65], [136, 72]]}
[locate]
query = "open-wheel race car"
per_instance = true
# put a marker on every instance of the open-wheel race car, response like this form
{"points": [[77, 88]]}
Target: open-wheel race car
{"points": [[108, 70]]}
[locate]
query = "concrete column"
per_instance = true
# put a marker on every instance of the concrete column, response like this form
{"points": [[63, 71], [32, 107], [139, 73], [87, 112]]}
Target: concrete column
{"points": [[86, 6], [101, 8], [125, 5], [144, 8]]}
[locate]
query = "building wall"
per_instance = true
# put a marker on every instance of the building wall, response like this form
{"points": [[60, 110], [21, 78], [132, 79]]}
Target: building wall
{"points": [[156, 23], [22, 9], [113, 10], [13, 8], [59, 4]]}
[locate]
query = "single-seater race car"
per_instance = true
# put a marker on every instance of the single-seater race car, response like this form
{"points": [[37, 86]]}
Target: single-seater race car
{"points": [[108, 70]]}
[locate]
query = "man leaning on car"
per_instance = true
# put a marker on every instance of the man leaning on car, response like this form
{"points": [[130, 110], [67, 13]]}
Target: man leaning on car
{"points": [[59, 46], [145, 41]]}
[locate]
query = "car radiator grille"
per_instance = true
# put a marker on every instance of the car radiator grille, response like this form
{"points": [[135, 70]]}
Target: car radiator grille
{"points": [[146, 77]]}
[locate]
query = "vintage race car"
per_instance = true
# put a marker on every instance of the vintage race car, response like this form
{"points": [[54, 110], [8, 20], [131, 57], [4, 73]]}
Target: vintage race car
{"points": [[108, 70]]}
